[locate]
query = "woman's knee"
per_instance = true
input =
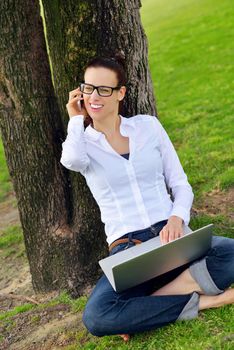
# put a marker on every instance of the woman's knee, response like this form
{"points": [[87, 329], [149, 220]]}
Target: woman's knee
{"points": [[222, 243], [220, 261], [222, 248], [100, 308], [91, 321], [98, 317]]}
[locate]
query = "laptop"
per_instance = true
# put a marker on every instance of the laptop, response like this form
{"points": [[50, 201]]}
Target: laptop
{"points": [[150, 259]]}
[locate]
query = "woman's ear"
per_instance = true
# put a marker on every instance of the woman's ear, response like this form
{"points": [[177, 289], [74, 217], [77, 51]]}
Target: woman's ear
{"points": [[121, 93]]}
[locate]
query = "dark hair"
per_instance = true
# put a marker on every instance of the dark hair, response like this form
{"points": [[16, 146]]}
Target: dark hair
{"points": [[115, 63]]}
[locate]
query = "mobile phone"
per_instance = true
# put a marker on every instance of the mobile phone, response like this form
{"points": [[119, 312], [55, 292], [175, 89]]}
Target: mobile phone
{"points": [[80, 103]]}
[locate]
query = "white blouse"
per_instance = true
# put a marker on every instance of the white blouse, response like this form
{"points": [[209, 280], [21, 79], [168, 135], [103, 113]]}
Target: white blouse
{"points": [[131, 193]]}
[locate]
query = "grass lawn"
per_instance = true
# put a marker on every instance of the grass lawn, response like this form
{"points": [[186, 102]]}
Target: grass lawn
{"points": [[191, 55], [5, 183]]}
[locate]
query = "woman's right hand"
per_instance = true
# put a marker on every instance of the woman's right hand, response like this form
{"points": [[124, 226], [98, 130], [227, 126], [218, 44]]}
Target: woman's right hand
{"points": [[72, 105]]}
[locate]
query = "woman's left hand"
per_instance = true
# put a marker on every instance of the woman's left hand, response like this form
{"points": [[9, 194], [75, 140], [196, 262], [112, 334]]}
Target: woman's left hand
{"points": [[172, 230]]}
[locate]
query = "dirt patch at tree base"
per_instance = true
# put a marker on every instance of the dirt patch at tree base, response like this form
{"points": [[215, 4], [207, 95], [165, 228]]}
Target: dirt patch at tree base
{"points": [[9, 213], [217, 202], [40, 328], [49, 328]]}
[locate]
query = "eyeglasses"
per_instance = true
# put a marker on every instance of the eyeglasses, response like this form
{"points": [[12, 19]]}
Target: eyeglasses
{"points": [[103, 91]]}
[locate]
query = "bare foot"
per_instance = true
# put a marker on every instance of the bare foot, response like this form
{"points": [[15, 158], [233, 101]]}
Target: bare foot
{"points": [[225, 298], [125, 337]]}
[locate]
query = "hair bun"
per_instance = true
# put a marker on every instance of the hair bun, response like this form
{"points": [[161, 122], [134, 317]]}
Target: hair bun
{"points": [[120, 57]]}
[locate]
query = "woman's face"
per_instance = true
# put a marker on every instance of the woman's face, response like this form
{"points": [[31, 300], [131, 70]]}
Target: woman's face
{"points": [[100, 76]]}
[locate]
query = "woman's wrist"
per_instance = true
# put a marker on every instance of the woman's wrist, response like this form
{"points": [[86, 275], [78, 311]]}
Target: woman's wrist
{"points": [[176, 218]]}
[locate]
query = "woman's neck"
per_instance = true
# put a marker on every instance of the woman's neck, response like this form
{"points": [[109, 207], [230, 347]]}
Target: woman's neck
{"points": [[109, 126]]}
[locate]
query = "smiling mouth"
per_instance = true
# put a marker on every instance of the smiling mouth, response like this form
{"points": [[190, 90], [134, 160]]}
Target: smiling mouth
{"points": [[95, 107]]}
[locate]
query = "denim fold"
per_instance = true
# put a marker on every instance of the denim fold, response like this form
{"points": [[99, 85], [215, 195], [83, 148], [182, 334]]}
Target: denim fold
{"points": [[201, 275], [190, 310]]}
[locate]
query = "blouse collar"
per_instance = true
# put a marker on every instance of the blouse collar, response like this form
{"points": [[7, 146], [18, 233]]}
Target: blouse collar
{"points": [[125, 122]]}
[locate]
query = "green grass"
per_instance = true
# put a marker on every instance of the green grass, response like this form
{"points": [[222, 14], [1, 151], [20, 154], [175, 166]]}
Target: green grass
{"points": [[12, 243], [222, 226], [8, 317], [213, 329], [5, 182], [10, 236], [63, 298], [202, 333], [17, 310], [191, 56]]}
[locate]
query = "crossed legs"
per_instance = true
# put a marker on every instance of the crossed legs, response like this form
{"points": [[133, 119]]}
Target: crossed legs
{"points": [[204, 284]]}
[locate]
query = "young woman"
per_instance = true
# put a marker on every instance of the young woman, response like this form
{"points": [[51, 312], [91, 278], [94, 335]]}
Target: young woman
{"points": [[127, 163]]}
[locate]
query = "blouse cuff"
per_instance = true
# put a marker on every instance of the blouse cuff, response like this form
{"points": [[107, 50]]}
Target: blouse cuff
{"points": [[182, 213], [76, 120]]}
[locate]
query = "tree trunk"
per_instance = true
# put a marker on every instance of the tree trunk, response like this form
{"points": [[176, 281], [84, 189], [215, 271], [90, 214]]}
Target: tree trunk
{"points": [[79, 30], [63, 234]]}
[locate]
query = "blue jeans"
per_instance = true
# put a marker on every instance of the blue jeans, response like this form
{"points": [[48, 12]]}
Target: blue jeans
{"points": [[135, 310]]}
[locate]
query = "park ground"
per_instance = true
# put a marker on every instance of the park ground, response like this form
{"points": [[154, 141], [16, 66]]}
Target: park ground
{"points": [[191, 59]]}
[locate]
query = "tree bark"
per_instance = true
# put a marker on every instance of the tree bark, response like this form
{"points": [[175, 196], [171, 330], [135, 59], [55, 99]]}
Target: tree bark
{"points": [[79, 30], [63, 234]]}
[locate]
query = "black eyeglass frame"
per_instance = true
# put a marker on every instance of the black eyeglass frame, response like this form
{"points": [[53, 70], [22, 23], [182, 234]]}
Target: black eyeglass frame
{"points": [[100, 86]]}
